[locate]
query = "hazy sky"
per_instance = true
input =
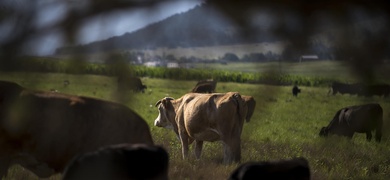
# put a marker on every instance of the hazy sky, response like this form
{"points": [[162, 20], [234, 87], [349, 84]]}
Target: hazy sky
{"points": [[102, 26], [119, 23]]}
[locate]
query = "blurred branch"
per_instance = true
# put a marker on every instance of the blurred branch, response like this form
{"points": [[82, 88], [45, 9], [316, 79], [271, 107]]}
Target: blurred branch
{"points": [[19, 15], [295, 21]]}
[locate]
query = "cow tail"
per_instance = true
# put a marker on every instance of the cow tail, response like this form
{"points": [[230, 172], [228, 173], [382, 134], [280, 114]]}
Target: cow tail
{"points": [[330, 90], [240, 106]]}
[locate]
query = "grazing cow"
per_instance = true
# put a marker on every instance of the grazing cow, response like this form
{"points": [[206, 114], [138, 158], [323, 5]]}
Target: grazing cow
{"points": [[205, 86], [295, 90], [251, 104], [42, 131], [361, 119], [292, 169], [131, 83], [122, 161], [375, 90], [205, 117], [345, 88]]}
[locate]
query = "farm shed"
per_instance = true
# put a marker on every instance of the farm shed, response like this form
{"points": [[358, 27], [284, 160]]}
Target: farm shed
{"points": [[308, 57]]}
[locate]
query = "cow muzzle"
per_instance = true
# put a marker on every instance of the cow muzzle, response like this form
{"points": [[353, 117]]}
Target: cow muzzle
{"points": [[157, 122]]}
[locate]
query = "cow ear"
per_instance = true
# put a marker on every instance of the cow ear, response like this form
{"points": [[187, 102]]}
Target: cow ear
{"points": [[169, 98], [158, 103]]}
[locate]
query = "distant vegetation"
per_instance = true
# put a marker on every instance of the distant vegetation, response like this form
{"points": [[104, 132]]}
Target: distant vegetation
{"points": [[260, 73], [320, 73]]}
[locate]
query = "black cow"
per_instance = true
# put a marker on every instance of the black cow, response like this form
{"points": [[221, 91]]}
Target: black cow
{"points": [[296, 168], [131, 83], [295, 90], [361, 119], [343, 88], [122, 161], [205, 86], [375, 90]]}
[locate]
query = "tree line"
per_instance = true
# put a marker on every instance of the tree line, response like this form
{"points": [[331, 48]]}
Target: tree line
{"points": [[118, 67]]}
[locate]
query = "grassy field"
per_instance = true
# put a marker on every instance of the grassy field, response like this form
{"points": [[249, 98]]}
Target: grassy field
{"points": [[282, 126]]}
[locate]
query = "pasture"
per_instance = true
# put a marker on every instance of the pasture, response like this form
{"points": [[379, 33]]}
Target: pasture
{"points": [[282, 126]]}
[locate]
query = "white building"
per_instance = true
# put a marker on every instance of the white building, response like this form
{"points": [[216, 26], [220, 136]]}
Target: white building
{"points": [[172, 65], [310, 57]]}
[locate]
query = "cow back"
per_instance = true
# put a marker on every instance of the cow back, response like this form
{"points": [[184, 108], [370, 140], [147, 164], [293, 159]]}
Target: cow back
{"points": [[297, 168], [363, 117], [130, 83], [122, 161], [219, 111], [205, 86]]}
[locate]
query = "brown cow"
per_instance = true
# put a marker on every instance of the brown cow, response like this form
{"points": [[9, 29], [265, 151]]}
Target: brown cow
{"points": [[361, 118], [205, 86], [296, 168], [121, 161], [205, 117], [251, 104], [131, 83], [42, 131]]}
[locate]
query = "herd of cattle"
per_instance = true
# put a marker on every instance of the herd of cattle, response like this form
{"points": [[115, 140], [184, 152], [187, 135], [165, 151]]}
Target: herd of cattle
{"points": [[37, 131]]}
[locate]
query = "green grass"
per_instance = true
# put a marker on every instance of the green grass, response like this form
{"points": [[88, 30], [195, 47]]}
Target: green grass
{"points": [[282, 127]]}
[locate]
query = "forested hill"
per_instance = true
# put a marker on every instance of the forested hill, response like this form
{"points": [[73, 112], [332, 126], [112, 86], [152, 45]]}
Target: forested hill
{"points": [[199, 27]]}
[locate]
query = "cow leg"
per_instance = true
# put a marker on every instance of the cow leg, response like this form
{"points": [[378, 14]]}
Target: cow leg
{"points": [[378, 135], [236, 154], [198, 148], [368, 135], [378, 130], [184, 144], [232, 151], [5, 163], [227, 154]]}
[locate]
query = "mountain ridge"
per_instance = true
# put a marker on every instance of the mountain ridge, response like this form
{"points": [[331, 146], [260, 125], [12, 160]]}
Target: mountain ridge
{"points": [[200, 26]]}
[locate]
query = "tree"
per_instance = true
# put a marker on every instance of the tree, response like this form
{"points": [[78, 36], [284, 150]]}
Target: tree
{"points": [[230, 57]]}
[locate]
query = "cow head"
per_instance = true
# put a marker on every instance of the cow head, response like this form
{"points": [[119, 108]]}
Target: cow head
{"points": [[166, 113], [8, 91], [249, 104], [324, 131]]}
